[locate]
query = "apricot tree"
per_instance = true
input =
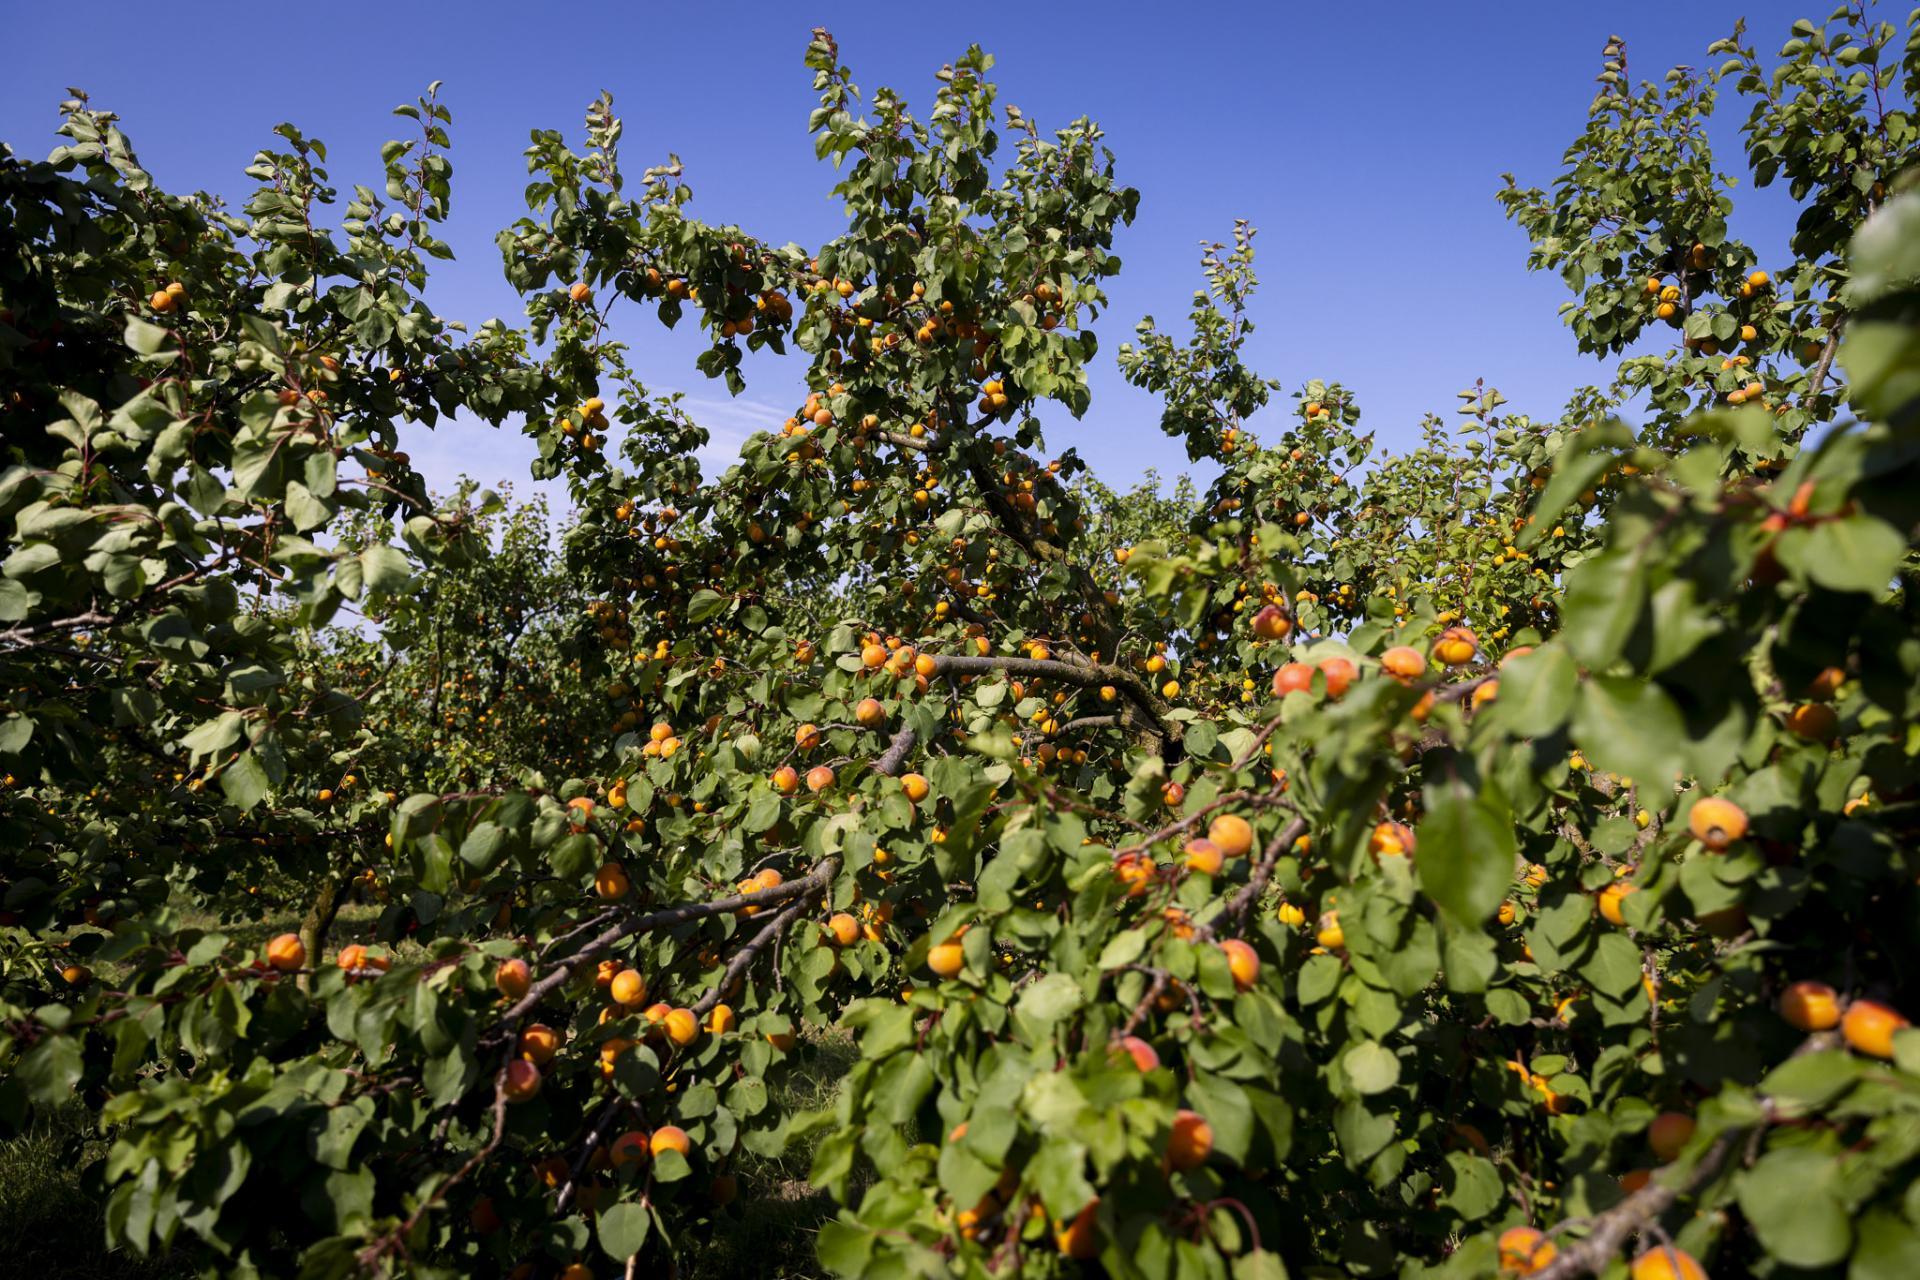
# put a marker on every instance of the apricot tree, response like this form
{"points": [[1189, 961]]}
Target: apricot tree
{"points": [[1492, 858]]}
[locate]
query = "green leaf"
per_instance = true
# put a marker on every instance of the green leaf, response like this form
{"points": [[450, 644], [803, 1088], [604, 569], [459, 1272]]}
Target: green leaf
{"points": [[1371, 1067], [384, 569], [623, 1229], [1466, 851], [245, 781], [1852, 553], [1045, 1002], [1631, 727], [1536, 692], [704, 605], [1602, 601], [1791, 1200], [1615, 965]]}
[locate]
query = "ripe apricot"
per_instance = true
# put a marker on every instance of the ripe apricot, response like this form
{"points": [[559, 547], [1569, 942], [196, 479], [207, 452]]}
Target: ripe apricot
{"points": [[946, 959], [1869, 1026], [819, 778], [1456, 646], [523, 1080], [1205, 857], [630, 1147], [628, 988], [1810, 1006], [538, 1044], [670, 1137], [1404, 662], [1232, 833], [1331, 935], [1666, 1263], [873, 655], [1272, 623], [512, 978], [784, 1041], [1391, 838], [1191, 1141], [611, 882], [915, 786], [1339, 674], [1717, 822], [1294, 677], [807, 737], [580, 292], [287, 953], [1669, 1133], [683, 1026], [1145, 1058], [1823, 686], [1611, 899], [786, 780], [1525, 1250], [1814, 721], [722, 1019], [869, 713], [1243, 962], [843, 929]]}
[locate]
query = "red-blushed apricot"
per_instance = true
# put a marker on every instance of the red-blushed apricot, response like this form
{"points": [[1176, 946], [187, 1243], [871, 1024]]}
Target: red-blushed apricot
{"points": [[869, 713], [523, 1080], [1634, 1179], [630, 1147], [1339, 674], [1669, 1133], [1294, 677], [512, 978], [1232, 833], [1172, 795], [1243, 962], [1524, 1250], [1135, 871], [1665, 1262], [1404, 662], [1191, 1141], [1810, 1006], [819, 778], [785, 780], [1391, 838], [1145, 1057], [1204, 856], [1717, 822], [1272, 623], [1869, 1026], [287, 953], [807, 737]]}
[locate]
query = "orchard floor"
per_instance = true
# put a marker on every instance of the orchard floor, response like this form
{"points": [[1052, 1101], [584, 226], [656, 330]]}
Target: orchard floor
{"points": [[52, 1206]]}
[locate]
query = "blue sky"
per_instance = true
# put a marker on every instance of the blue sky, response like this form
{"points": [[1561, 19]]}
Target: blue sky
{"points": [[1365, 139]]}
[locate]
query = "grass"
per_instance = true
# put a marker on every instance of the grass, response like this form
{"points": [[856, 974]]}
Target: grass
{"points": [[52, 1207], [53, 1211]]}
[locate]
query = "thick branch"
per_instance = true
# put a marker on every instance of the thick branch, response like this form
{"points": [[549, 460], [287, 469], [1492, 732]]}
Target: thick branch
{"points": [[743, 958], [1590, 1256]]}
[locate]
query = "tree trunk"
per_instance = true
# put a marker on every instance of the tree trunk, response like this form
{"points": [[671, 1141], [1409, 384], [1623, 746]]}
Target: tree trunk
{"points": [[319, 919]]}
